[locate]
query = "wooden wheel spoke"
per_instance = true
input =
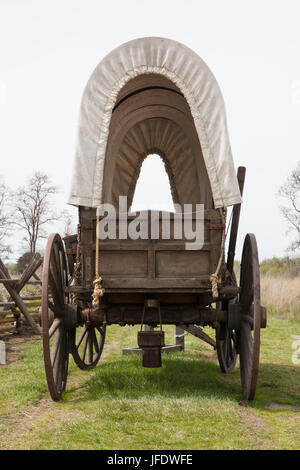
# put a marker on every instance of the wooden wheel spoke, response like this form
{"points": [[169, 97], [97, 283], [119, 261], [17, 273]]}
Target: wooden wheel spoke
{"points": [[57, 365], [101, 330], [62, 362], [55, 271], [89, 347], [57, 322], [56, 294], [85, 344], [55, 346], [91, 344], [226, 348], [95, 342], [83, 333], [234, 342], [64, 274], [57, 310], [232, 350], [51, 305], [57, 262]]}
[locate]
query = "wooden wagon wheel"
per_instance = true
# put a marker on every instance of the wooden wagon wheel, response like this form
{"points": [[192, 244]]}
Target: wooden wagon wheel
{"points": [[226, 343], [89, 346], [248, 335], [58, 334]]}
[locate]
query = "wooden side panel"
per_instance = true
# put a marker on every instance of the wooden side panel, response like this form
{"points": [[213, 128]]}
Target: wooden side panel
{"points": [[177, 264], [150, 264], [124, 263]]}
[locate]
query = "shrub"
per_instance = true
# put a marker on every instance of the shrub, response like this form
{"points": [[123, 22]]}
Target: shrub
{"points": [[286, 265], [24, 260]]}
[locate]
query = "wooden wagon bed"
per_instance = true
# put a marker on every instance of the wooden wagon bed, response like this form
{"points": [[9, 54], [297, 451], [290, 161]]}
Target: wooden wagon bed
{"points": [[147, 265]]}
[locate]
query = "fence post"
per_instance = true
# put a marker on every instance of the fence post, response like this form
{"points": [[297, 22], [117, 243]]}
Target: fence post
{"points": [[180, 333]]}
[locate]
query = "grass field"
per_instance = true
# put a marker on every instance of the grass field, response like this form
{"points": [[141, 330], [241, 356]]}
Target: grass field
{"points": [[187, 404]]}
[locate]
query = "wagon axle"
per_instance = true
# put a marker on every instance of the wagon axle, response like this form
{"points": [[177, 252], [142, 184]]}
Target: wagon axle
{"points": [[72, 317], [171, 315]]}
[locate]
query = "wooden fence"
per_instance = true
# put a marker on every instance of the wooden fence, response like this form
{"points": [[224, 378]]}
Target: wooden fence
{"points": [[10, 314], [19, 304]]}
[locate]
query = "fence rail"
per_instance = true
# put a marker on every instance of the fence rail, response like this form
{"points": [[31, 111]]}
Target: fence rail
{"points": [[11, 311], [10, 316]]}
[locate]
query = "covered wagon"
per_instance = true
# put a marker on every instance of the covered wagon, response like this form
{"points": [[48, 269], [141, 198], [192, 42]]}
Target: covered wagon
{"points": [[151, 95]]}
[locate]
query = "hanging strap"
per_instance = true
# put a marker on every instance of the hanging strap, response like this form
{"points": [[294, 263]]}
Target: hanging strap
{"points": [[159, 314]]}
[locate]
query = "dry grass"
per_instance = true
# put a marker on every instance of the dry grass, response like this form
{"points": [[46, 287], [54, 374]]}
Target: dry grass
{"points": [[281, 293]]}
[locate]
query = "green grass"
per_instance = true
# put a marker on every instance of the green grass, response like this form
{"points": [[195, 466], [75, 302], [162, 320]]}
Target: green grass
{"points": [[186, 404]]}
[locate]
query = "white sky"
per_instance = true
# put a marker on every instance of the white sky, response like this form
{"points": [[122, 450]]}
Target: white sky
{"points": [[48, 49], [154, 194]]}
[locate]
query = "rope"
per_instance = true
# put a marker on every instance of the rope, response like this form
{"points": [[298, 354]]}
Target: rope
{"points": [[98, 289], [77, 267], [214, 278]]}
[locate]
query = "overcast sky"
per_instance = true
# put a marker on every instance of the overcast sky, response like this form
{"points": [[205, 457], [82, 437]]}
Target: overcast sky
{"points": [[48, 50]]}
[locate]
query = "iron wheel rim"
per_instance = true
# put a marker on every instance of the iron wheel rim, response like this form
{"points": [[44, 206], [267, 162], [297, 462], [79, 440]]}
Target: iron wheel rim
{"points": [[56, 352]]}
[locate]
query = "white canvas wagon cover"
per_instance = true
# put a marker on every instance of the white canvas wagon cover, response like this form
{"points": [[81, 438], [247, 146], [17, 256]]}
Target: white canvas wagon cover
{"points": [[191, 75]]}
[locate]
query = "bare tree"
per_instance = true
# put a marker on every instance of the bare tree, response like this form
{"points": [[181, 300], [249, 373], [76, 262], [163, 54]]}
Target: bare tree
{"points": [[33, 208], [5, 221], [290, 190]]}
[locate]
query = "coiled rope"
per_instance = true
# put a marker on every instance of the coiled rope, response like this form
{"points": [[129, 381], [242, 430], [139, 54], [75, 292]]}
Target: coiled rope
{"points": [[98, 288], [214, 278]]}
